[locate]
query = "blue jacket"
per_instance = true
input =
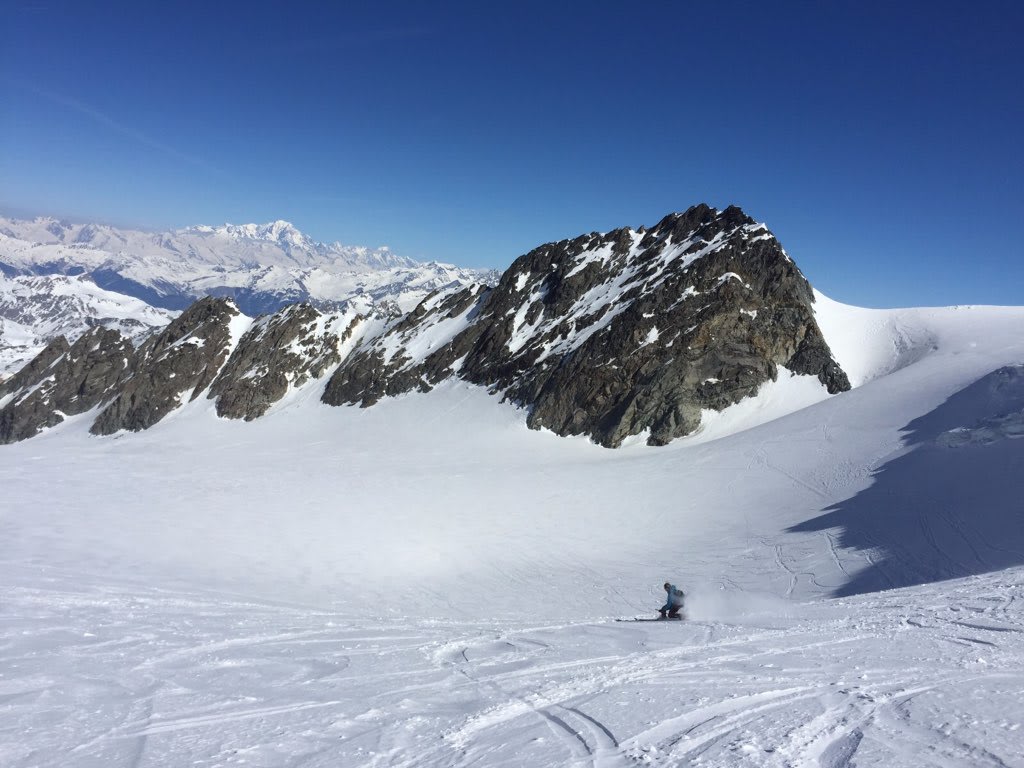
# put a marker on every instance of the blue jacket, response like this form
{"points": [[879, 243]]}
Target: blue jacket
{"points": [[675, 598]]}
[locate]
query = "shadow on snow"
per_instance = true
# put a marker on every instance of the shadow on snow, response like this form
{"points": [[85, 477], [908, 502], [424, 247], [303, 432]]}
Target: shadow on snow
{"points": [[952, 505]]}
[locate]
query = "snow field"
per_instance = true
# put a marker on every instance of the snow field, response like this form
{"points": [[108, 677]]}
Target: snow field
{"points": [[429, 583], [96, 675]]}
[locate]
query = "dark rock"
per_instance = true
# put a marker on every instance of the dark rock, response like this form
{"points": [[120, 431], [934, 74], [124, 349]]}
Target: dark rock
{"points": [[37, 369], [419, 351], [618, 334], [178, 363], [284, 350], [64, 381]]}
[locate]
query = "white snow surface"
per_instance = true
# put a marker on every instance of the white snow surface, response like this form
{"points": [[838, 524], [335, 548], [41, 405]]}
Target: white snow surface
{"points": [[276, 244], [429, 583], [36, 309], [273, 259]]}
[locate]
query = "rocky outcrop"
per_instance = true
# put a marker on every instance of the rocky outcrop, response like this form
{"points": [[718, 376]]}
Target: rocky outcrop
{"points": [[196, 353], [633, 332], [613, 335], [278, 352], [64, 380], [36, 369], [35, 310], [172, 368], [416, 353]]}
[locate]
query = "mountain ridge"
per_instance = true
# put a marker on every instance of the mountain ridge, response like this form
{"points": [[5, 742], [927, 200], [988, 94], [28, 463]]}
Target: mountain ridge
{"points": [[36, 309], [262, 266], [194, 241], [607, 335], [582, 331]]}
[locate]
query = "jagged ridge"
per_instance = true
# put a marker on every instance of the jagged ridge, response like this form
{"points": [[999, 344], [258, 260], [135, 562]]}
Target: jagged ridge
{"points": [[618, 334], [263, 267], [606, 335]]}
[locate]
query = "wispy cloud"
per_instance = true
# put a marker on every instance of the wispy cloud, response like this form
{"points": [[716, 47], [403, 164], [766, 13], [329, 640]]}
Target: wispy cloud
{"points": [[116, 126]]}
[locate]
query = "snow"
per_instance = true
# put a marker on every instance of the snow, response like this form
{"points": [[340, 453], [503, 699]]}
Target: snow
{"points": [[593, 311], [521, 333], [36, 309], [431, 333], [598, 256], [731, 276], [429, 583], [237, 326], [275, 260], [788, 393]]}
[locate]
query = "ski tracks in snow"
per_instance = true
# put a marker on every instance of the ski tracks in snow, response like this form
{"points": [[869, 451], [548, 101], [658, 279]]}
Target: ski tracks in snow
{"points": [[825, 692], [927, 676]]}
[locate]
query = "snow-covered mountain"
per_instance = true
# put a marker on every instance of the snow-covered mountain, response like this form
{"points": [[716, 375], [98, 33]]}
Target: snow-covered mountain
{"points": [[36, 309], [427, 582], [612, 336], [618, 334], [261, 266], [276, 244]]}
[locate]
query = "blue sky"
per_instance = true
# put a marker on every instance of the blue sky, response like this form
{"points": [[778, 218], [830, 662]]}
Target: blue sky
{"points": [[880, 142]]}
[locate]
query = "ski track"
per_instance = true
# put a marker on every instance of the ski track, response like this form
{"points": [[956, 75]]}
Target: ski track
{"points": [[99, 667], [156, 678]]}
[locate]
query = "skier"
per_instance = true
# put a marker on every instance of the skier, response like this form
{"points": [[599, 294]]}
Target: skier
{"points": [[674, 603]]}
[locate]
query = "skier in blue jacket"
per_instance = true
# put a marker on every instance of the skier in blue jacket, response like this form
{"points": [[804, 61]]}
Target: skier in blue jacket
{"points": [[674, 603]]}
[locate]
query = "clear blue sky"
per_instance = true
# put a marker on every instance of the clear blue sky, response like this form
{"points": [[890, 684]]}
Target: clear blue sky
{"points": [[881, 142]]}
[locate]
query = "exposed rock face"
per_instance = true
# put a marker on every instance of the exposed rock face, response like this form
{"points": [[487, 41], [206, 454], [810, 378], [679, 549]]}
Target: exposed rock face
{"points": [[416, 353], [35, 310], [284, 350], [618, 334], [626, 333], [196, 353], [63, 381], [171, 368], [35, 370]]}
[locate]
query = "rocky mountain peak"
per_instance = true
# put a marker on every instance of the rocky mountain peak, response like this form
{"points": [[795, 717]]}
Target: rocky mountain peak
{"points": [[610, 335], [172, 368], [618, 334], [278, 353], [279, 231], [64, 380]]}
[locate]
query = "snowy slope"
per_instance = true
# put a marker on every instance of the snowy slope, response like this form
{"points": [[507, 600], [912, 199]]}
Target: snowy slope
{"points": [[106, 675], [36, 309], [428, 582], [631, 332], [262, 266], [276, 244]]}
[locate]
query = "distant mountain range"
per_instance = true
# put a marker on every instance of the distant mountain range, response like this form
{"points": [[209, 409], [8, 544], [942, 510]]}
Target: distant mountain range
{"points": [[627, 333], [62, 277], [35, 309]]}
